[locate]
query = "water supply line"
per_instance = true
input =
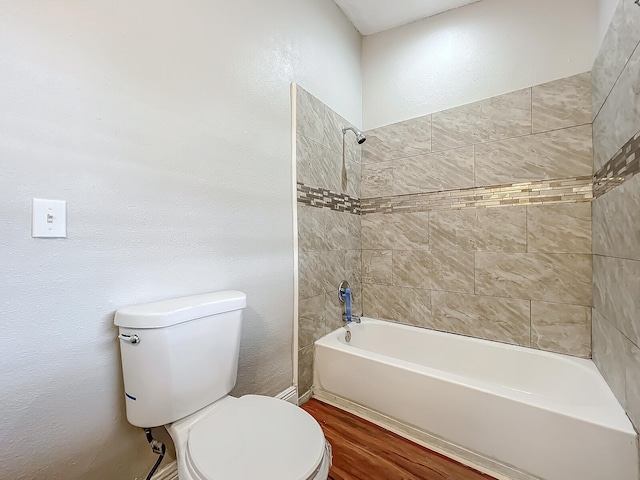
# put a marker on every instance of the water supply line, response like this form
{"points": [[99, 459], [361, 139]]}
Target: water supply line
{"points": [[158, 448]]}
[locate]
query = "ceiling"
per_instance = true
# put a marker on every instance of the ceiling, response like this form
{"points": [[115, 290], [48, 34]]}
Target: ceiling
{"points": [[373, 16]]}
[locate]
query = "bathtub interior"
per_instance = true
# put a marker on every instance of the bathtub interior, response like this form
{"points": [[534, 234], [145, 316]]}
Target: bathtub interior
{"points": [[570, 385]]}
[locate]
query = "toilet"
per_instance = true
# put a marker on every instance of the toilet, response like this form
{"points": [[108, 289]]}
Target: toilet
{"points": [[179, 363]]}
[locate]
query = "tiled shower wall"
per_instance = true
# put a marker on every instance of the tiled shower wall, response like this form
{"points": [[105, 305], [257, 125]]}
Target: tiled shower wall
{"points": [[328, 224], [477, 220], [616, 208]]}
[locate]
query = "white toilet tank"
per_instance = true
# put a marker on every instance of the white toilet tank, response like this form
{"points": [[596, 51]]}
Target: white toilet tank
{"points": [[179, 355]]}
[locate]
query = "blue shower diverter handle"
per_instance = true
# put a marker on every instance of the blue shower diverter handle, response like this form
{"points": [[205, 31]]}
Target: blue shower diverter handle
{"points": [[347, 307]]}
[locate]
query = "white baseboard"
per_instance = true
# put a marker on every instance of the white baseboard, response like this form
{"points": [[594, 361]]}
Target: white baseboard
{"points": [[289, 395], [304, 398], [169, 472]]}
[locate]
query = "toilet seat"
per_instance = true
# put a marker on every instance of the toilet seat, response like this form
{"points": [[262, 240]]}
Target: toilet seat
{"points": [[256, 437]]}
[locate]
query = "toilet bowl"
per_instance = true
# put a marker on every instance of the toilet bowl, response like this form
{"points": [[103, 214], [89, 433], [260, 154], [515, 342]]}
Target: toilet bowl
{"points": [[251, 437], [179, 364]]}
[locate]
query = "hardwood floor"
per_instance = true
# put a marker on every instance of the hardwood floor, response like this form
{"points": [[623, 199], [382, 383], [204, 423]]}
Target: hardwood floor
{"points": [[364, 451]]}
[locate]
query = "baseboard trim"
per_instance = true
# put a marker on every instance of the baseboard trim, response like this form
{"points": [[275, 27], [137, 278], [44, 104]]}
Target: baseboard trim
{"points": [[304, 398], [438, 445], [289, 395], [169, 472]]}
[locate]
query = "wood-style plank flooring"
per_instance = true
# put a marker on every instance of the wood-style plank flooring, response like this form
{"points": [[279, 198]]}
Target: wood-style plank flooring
{"points": [[364, 451]]}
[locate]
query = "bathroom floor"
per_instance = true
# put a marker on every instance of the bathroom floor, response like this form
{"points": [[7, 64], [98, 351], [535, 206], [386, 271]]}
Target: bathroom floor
{"points": [[364, 451]]}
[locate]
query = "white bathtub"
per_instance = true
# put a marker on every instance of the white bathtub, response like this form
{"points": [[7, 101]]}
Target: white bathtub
{"points": [[545, 415]]}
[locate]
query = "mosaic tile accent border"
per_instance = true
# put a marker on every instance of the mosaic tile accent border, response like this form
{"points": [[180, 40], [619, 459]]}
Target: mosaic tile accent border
{"points": [[324, 198], [567, 190], [623, 166]]}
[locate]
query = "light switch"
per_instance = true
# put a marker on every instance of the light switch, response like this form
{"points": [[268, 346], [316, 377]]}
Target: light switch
{"points": [[49, 218]]}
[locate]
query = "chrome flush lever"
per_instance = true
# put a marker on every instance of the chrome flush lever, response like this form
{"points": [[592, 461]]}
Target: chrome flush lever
{"points": [[133, 339]]}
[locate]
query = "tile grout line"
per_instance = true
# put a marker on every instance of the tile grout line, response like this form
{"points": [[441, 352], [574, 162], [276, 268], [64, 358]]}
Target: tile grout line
{"points": [[626, 64], [531, 111], [616, 257], [530, 322], [475, 178], [526, 228], [475, 278], [472, 144], [614, 326]]}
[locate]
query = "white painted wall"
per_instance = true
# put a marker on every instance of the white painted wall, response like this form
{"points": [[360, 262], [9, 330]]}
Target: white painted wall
{"points": [[472, 53], [166, 127], [604, 14]]}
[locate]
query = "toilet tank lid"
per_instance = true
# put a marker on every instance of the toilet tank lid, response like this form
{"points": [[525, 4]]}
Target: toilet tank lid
{"points": [[179, 310]]}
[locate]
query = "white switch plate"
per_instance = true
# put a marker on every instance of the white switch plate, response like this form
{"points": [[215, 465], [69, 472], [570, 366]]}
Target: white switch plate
{"points": [[49, 218]]}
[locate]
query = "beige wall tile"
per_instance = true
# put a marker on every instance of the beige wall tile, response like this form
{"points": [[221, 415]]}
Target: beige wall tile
{"points": [[309, 116], [377, 180], [410, 231], [496, 118], [399, 231], [561, 328], [559, 278], [334, 269], [351, 180], [404, 139], [341, 230], [317, 166], [616, 221], [561, 228], [305, 369], [312, 229], [501, 229], [619, 118], [377, 267], [616, 283], [311, 325], [616, 101], [618, 45], [551, 155], [404, 305], [610, 355], [562, 103], [311, 267], [499, 319], [435, 270], [354, 232], [446, 170], [378, 231], [451, 230], [491, 229]]}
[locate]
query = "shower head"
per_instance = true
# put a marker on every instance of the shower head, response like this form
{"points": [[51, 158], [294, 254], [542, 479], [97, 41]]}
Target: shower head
{"points": [[360, 138]]}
